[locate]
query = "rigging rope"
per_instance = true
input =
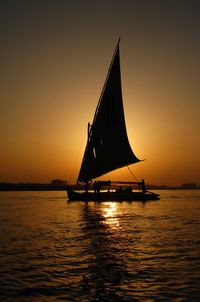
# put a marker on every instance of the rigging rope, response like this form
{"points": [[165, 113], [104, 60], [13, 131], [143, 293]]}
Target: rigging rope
{"points": [[75, 161], [132, 174]]}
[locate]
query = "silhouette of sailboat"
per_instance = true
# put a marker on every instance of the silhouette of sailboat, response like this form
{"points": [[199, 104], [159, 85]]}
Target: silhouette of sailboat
{"points": [[108, 148]]}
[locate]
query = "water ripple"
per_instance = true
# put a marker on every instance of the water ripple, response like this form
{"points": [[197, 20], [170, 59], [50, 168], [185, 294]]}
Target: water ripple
{"points": [[52, 250]]}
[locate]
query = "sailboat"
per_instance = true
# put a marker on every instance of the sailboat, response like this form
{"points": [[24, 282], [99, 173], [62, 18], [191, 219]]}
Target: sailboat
{"points": [[108, 148]]}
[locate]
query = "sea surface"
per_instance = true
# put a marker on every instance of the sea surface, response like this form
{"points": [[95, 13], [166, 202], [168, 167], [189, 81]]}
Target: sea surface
{"points": [[55, 250]]}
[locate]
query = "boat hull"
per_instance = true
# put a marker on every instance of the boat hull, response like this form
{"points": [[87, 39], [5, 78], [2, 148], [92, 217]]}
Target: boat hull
{"points": [[110, 196]]}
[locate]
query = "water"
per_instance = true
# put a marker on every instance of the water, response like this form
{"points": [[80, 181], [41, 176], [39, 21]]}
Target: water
{"points": [[52, 250]]}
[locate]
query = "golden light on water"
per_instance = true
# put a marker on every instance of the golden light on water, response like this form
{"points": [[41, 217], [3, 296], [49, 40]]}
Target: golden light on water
{"points": [[110, 213]]}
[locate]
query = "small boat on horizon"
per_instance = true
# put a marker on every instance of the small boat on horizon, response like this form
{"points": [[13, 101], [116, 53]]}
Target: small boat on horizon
{"points": [[108, 148]]}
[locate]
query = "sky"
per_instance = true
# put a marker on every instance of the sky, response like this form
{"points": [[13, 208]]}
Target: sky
{"points": [[54, 57]]}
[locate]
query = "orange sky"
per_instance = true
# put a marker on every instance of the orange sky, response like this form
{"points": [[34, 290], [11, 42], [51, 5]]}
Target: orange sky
{"points": [[54, 58]]}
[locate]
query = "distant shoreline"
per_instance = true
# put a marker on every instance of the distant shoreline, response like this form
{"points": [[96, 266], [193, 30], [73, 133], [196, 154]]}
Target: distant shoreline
{"points": [[62, 187], [31, 187]]}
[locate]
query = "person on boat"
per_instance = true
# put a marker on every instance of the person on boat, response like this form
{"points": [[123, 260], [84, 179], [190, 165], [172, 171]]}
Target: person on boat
{"points": [[86, 187], [143, 186], [95, 186]]}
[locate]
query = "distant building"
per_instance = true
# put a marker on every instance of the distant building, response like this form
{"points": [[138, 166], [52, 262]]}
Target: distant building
{"points": [[58, 182], [189, 186]]}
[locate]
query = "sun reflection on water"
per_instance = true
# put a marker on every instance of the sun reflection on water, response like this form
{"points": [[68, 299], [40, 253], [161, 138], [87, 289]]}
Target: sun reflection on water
{"points": [[110, 213]]}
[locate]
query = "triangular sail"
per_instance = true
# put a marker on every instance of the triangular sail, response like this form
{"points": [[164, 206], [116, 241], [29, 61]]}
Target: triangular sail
{"points": [[107, 147]]}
